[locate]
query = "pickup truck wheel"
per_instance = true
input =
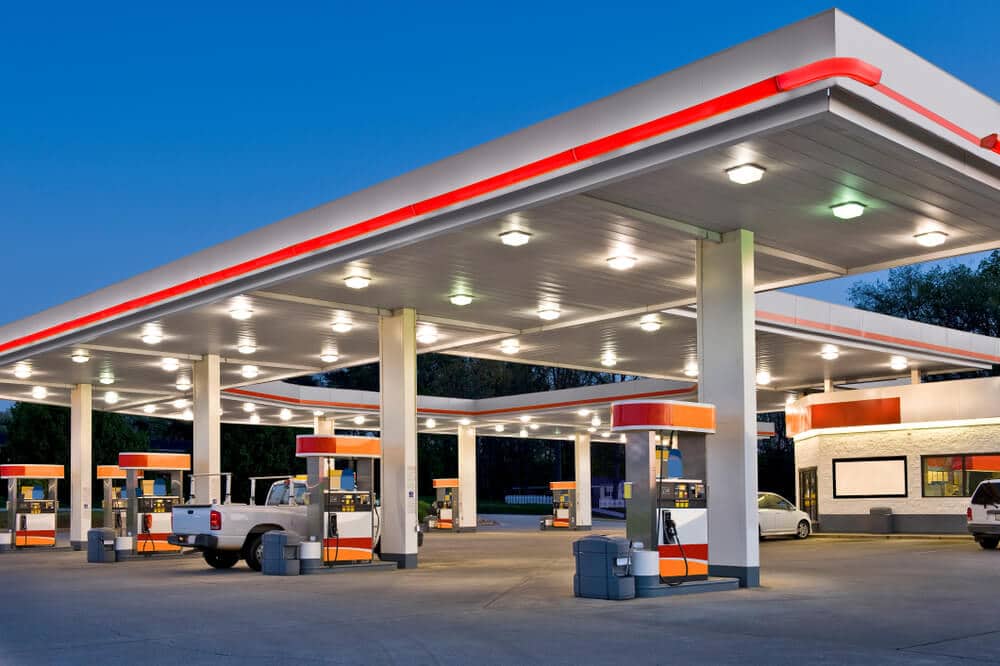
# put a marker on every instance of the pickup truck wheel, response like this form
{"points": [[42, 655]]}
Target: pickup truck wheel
{"points": [[988, 542], [255, 552], [221, 559]]}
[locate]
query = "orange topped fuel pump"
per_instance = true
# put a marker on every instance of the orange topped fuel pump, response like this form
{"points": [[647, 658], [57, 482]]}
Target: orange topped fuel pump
{"points": [[32, 503]]}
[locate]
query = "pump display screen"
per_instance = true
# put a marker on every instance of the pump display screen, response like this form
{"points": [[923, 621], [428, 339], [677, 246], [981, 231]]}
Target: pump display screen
{"points": [[682, 494], [36, 506], [347, 502], [157, 504]]}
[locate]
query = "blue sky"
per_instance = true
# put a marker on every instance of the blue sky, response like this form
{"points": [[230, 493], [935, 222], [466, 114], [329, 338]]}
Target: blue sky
{"points": [[132, 134]]}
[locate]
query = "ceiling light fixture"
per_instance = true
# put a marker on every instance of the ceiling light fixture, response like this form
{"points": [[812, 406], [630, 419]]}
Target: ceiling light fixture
{"points": [[187, 415], [763, 378], [650, 323], [591, 429], [111, 398], [464, 421], [621, 262], [170, 364], [329, 357], [525, 418], [255, 418], [510, 346], [522, 433], [829, 353], [107, 379], [460, 299], [596, 421], [499, 427], [848, 210], [183, 384], [241, 312], [931, 238], [250, 371], [180, 403], [609, 360], [249, 407], [583, 412], [246, 348], [359, 419], [430, 423], [149, 409], [548, 312], [285, 414], [691, 369], [427, 334], [899, 363], [515, 238], [342, 324], [152, 336], [621, 438], [534, 426], [22, 371], [357, 281], [39, 392], [318, 412], [605, 435], [745, 174], [79, 356]]}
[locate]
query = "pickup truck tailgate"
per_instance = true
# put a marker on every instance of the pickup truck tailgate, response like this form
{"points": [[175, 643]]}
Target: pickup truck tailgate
{"points": [[192, 519]]}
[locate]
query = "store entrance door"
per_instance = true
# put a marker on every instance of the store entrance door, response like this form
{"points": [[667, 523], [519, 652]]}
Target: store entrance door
{"points": [[808, 494]]}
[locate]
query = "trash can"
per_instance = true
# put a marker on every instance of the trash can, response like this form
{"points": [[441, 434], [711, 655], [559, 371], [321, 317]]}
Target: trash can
{"points": [[603, 568], [281, 553], [101, 544], [880, 520]]}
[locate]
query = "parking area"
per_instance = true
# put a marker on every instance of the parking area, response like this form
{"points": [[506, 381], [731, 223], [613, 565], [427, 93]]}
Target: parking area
{"points": [[504, 596]]}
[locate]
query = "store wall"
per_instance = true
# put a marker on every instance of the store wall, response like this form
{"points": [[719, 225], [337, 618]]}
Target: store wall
{"points": [[913, 513]]}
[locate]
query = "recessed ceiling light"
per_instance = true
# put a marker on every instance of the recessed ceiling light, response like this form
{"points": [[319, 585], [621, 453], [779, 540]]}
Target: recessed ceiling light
{"points": [[691, 369], [427, 334], [357, 281], [605, 435], [107, 379], [180, 403], [522, 432], [583, 412], [596, 421], [430, 423], [745, 174], [329, 357], [621, 438], [285, 414], [241, 312], [79, 356], [460, 299], [525, 418], [111, 398], [899, 363], [22, 371], [592, 429], [318, 412], [255, 418], [249, 407], [250, 371], [621, 262], [534, 426], [829, 353], [763, 378], [342, 324], [187, 415], [499, 427], [170, 364], [152, 337], [650, 323], [246, 348], [464, 421], [510, 346], [548, 312], [931, 238], [848, 210], [149, 409], [359, 419], [609, 360], [183, 384], [515, 238], [39, 392]]}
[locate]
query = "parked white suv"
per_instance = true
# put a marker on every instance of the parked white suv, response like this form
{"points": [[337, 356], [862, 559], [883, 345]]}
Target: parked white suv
{"points": [[983, 514]]}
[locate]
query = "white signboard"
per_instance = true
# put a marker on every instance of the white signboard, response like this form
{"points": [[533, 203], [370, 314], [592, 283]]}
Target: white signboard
{"points": [[869, 477]]}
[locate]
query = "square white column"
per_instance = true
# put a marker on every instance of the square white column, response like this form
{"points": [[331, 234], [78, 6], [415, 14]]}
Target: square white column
{"points": [[398, 391], [81, 472], [468, 518], [581, 464], [207, 456], [323, 425], [727, 379]]}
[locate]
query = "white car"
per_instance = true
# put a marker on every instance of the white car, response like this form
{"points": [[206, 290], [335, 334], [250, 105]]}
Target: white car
{"points": [[779, 517], [983, 514]]}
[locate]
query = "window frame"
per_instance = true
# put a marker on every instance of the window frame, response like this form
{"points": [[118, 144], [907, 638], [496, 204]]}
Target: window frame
{"points": [[966, 492]]}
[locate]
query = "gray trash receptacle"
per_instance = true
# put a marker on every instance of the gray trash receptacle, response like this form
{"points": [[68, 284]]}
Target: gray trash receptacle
{"points": [[603, 568], [101, 544], [880, 520], [281, 554]]}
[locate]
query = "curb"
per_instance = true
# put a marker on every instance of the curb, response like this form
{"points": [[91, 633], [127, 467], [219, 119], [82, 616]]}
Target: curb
{"points": [[862, 535]]}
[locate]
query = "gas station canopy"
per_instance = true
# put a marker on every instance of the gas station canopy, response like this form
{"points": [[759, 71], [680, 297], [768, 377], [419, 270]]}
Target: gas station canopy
{"points": [[572, 243]]}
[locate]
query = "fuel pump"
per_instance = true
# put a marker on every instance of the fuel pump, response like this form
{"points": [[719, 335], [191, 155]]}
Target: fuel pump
{"points": [[115, 503], [667, 512], [154, 485], [342, 510], [32, 503], [446, 504], [563, 505]]}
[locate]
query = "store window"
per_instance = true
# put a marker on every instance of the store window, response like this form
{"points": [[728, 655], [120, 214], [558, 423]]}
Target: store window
{"points": [[957, 475]]}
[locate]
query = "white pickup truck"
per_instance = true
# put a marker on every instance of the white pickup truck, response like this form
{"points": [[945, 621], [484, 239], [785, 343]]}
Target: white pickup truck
{"points": [[227, 533]]}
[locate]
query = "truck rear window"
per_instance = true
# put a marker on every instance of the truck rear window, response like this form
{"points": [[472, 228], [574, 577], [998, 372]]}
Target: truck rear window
{"points": [[987, 493]]}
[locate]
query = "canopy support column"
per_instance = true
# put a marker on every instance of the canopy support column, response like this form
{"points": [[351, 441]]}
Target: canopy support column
{"points": [[81, 470], [467, 508], [207, 458], [398, 391], [727, 379], [581, 463]]}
